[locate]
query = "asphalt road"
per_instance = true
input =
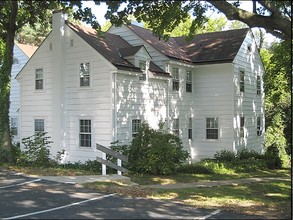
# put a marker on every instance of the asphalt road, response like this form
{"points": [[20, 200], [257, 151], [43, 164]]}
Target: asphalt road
{"points": [[32, 198]]}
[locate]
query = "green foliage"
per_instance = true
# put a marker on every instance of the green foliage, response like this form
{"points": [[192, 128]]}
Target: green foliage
{"points": [[37, 150], [225, 155], [155, 152]]}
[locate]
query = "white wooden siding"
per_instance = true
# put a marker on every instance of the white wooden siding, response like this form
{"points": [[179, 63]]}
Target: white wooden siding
{"points": [[248, 104], [15, 90]]}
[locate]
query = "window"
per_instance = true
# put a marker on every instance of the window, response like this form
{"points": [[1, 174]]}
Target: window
{"points": [[258, 85], [189, 128], [85, 133], [176, 126], [71, 42], [50, 46], [135, 126], [142, 66], [84, 74], [258, 126], [212, 128], [39, 79], [188, 81], [241, 80], [242, 121], [14, 126], [39, 126], [175, 82]]}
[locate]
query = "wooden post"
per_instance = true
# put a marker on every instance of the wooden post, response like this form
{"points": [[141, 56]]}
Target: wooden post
{"points": [[104, 168], [120, 165]]}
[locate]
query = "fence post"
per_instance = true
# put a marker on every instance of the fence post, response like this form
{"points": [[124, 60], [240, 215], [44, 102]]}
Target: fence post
{"points": [[104, 168], [120, 165]]}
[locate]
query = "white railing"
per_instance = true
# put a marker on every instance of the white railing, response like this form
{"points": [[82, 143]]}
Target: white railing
{"points": [[105, 162]]}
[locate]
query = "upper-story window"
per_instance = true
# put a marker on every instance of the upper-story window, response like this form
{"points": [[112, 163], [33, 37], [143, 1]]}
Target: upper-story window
{"points": [[84, 74], [258, 85], [142, 66], [15, 61], [39, 79], [188, 81], [175, 81], [241, 80]]}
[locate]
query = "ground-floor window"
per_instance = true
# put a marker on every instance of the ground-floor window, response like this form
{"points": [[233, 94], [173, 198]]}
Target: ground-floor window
{"points": [[85, 133], [212, 128], [14, 126], [258, 126], [136, 123], [176, 126], [189, 128], [39, 125]]}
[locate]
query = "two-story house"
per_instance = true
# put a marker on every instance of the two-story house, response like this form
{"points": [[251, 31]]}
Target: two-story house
{"points": [[83, 89]]}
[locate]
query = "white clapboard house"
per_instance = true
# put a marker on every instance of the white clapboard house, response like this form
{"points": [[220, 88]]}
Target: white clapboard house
{"points": [[84, 88], [21, 54]]}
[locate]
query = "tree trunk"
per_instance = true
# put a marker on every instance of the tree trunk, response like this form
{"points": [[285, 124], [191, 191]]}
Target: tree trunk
{"points": [[6, 154]]}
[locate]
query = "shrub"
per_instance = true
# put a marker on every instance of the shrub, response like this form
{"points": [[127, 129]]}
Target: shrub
{"points": [[224, 156], [36, 150], [155, 152]]}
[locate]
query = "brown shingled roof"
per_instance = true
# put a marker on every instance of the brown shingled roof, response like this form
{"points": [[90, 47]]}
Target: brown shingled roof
{"points": [[203, 48], [107, 45], [213, 47], [28, 50]]}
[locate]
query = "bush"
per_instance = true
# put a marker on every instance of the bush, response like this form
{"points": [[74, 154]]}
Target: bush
{"points": [[36, 151], [155, 152], [225, 156]]}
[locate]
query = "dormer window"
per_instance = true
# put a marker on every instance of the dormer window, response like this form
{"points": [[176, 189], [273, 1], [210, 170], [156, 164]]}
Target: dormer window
{"points": [[142, 66]]}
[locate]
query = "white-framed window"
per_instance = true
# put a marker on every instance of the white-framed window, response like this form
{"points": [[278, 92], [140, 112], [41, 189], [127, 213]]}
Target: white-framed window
{"points": [[84, 74], [212, 128], [15, 61], [176, 126], [241, 80], [188, 81], [142, 66], [39, 79], [242, 123], [14, 126], [258, 126], [190, 128], [85, 133], [258, 85], [135, 125], [39, 124], [175, 81]]}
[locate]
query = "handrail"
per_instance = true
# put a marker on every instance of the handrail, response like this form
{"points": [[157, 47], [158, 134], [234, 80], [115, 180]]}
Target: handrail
{"points": [[104, 162]]}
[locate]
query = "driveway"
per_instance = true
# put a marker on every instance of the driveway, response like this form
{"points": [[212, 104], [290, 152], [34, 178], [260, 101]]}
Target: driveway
{"points": [[34, 198]]}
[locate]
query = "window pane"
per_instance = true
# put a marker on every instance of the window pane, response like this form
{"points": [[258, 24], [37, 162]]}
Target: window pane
{"points": [[39, 79], [84, 72], [85, 133], [39, 125], [242, 78], [142, 65], [136, 123], [14, 125], [188, 87], [211, 128]]}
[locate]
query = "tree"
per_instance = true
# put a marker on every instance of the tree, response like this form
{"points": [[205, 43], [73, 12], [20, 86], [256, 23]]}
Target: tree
{"points": [[164, 16], [14, 15]]}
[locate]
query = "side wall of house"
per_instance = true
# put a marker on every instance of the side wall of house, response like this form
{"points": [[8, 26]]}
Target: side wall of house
{"points": [[212, 98], [142, 100], [248, 104], [20, 60], [86, 103]]}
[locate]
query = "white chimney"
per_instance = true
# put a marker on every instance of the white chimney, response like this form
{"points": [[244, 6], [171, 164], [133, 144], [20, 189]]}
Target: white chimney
{"points": [[58, 21]]}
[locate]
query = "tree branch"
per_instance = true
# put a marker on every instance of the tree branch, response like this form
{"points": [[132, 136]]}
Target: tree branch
{"points": [[278, 24]]}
